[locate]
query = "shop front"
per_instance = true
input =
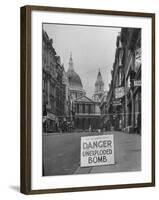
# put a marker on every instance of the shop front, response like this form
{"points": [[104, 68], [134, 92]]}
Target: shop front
{"points": [[49, 123]]}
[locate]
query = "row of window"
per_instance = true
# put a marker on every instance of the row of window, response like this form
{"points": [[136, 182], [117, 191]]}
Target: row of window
{"points": [[87, 109]]}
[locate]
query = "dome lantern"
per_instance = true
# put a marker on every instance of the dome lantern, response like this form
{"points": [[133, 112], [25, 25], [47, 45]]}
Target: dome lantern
{"points": [[71, 63]]}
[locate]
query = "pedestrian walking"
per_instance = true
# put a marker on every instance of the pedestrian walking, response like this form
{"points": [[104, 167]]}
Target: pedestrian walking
{"points": [[90, 128]]}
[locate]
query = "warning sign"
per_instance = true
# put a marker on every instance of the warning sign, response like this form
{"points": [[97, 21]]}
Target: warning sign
{"points": [[97, 150], [137, 83]]}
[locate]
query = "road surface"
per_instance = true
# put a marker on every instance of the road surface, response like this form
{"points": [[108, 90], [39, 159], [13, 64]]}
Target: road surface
{"points": [[61, 154]]}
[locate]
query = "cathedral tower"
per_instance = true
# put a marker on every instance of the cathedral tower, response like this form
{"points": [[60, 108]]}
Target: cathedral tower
{"points": [[99, 87]]}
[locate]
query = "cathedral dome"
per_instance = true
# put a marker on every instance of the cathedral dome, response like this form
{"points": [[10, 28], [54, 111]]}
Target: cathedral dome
{"points": [[74, 79]]}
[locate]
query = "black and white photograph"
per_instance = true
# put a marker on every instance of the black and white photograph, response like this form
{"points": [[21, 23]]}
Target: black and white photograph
{"points": [[88, 108], [91, 99]]}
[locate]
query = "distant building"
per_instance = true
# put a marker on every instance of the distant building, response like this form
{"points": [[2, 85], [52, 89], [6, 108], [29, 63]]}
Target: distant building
{"points": [[66, 94], [109, 107], [118, 89], [75, 84], [75, 88], [87, 114], [104, 113], [99, 88]]}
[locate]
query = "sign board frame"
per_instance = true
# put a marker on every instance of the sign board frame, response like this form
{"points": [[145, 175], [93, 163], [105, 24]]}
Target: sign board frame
{"points": [[137, 83], [98, 144]]}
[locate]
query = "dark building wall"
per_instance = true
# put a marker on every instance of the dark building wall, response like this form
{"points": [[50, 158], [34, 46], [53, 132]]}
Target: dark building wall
{"points": [[131, 39], [126, 70], [53, 87]]}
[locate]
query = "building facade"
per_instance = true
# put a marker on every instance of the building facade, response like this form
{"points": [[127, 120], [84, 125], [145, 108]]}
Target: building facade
{"points": [[104, 113], [99, 88], [131, 42], [75, 90], [54, 91], [124, 95], [118, 88], [67, 103], [87, 114]]}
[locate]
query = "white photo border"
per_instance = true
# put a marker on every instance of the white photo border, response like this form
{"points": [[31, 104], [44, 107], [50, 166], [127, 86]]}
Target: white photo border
{"points": [[38, 182]]}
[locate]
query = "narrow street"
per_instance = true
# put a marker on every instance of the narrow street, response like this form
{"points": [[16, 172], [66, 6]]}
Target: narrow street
{"points": [[79, 95], [61, 154]]}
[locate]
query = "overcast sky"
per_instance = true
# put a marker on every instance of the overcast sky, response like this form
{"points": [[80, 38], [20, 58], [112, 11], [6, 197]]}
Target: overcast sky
{"points": [[92, 48]]}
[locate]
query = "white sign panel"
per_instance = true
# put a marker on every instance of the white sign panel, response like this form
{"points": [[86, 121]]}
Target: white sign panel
{"points": [[97, 150], [117, 103], [137, 83], [119, 92]]}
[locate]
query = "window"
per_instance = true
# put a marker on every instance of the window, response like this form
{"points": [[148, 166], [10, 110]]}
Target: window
{"points": [[83, 108], [128, 82], [80, 108], [87, 108], [77, 108]]}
